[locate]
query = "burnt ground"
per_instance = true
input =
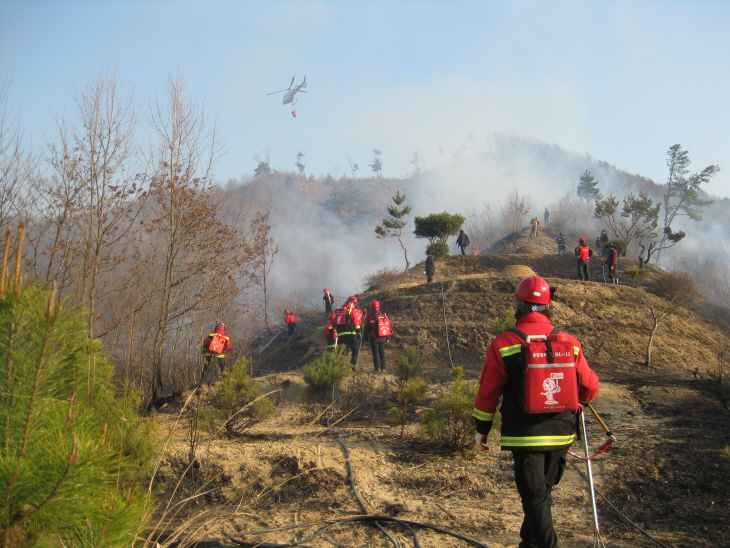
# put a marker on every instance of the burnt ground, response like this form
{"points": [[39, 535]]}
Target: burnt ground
{"points": [[669, 471]]}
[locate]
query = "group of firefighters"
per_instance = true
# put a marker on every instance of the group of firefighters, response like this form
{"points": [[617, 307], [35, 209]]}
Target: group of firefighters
{"points": [[541, 396], [350, 327], [584, 254]]}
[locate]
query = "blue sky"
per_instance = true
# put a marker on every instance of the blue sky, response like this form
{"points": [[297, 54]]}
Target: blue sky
{"points": [[621, 81]]}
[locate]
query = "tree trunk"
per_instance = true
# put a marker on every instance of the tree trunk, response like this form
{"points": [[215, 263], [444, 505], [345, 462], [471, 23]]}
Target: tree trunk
{"points": [[657, 320]]}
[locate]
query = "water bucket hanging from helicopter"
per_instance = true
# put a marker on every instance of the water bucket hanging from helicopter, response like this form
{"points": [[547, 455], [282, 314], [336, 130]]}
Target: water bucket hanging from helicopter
{"points": [[294, 113]]}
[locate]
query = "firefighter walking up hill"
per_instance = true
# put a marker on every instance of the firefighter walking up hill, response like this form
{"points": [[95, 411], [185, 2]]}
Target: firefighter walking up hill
{"points": [[291, 322], [349, 334], [215, 346], [330, 334], [584, 253], [378, 332], [538, 437]]}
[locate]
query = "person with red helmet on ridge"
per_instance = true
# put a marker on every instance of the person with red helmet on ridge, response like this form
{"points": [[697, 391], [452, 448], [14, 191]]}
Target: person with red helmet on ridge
{"points": [[328, 300], [584, 253], [215, 346], [291, 322], [538, 442], [378, 335]]}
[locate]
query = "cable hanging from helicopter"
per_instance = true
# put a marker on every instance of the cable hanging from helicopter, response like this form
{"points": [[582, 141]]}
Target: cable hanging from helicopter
{"points": [[291, 93]]}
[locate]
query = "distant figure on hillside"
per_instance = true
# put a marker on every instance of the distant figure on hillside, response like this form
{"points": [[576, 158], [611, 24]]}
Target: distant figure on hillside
{"points": [[603, 238], [546, 216], [584, 253], [462, 241], [612, 263], [291, 322], [534, 223], [560, 240], [328, 300], [430, 267]]}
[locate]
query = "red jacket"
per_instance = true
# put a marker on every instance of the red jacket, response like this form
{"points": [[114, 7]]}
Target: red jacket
{"points": [[218, 331], [584, 252], [290, 318], [521, 432]]}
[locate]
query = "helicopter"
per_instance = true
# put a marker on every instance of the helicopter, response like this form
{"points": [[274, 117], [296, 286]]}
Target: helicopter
{"points": [[292, 90]]}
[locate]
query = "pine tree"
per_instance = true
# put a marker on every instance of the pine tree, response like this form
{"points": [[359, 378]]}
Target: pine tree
{"points": [[393, 226], [588, 187], [71, 447]]}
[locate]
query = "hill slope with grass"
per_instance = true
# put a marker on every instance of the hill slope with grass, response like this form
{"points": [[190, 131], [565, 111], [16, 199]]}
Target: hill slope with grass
{"points": [[668, 472]]}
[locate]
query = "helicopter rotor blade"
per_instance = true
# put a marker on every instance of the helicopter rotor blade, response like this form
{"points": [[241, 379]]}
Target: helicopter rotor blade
{"points": [[302, 91], [292, 81], [280, 91]]}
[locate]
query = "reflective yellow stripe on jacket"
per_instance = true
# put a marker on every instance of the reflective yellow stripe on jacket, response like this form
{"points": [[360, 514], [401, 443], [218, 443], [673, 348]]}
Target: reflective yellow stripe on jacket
{"points": [[481, 415], [537, 441]]}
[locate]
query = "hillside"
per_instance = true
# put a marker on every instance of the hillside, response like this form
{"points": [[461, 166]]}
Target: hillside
{"points": [[667, 472]]}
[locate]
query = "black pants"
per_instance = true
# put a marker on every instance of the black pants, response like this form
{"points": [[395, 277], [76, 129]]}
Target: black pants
{"points": [[561, 249], [535, 475], [377, 345], [327, 308], [583, 270], [429, 276], [352, 342], [292, 328], [463, 247]]}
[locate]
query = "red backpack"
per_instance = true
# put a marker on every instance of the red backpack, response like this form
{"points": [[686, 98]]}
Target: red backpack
{"points": [[549, 378], [381, 327], [340, 318], [217, 344]]}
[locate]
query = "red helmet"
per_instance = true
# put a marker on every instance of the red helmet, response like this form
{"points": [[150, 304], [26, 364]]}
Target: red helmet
{"points": [[220, 326], [582, 240], [533, 290], [352, 299], [375, 305], [286, 311], [325, 290], [332, 316]]}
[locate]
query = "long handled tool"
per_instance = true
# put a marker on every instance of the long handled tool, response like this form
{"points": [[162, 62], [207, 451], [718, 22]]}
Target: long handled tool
{"points": [[597, 541]]}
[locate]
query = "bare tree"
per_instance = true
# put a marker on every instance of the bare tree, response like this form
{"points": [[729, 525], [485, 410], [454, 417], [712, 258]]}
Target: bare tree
{"points": [[16, 164], [678, 289], [262, 254], [514, 215], [482, 227], [191, 249]]}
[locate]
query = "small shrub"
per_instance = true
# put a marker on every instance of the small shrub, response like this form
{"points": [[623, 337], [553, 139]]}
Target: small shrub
{"points": [[411, 387], [408, 394], [675, 285], [449, 423], [236, 391], [636, 275], [330, 368], [438, 249], [726, 452], [385, 279], [500, 326], [409, 363], [621, 246]]}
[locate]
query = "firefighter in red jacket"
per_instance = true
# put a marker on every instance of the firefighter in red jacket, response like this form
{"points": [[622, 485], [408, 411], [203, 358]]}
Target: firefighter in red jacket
{"points": [[330, 333], [291, 322], [377, 342], [539, 442], [584, 253], [215, 346], [350, 334]]}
